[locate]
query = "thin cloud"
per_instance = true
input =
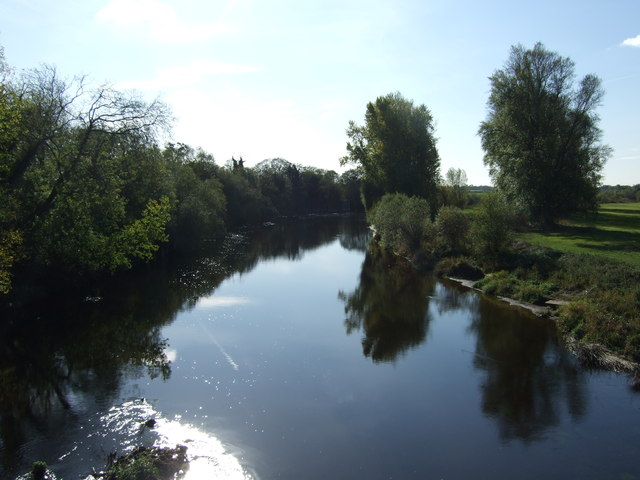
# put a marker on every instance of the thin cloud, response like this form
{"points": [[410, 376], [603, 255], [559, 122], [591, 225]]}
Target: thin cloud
{"points": [[185, 75], [632, 42], [159, 21]]}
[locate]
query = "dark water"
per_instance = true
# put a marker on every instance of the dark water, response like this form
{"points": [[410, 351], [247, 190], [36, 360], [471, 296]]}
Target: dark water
{"points": [[308, 357]]}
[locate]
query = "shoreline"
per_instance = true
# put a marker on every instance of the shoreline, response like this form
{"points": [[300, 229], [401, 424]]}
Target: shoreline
{"points": [[590, 355]]}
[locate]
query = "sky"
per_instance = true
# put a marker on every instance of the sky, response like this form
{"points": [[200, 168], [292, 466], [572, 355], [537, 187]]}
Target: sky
{"points": [[282, 78]]}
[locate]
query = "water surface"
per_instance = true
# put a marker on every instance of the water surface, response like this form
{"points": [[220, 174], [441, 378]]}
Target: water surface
{"points": [[313, 356]]}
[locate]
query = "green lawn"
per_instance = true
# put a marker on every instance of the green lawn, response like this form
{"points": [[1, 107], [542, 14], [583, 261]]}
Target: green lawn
{"points": [[613, 232]]}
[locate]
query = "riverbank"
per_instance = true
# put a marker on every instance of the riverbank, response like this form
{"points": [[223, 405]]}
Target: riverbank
{"points": [[592, 355]]}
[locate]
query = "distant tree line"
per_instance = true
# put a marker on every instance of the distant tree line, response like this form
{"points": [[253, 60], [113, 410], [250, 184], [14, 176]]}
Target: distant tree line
{"points": [[619, 193], [86, 187]]}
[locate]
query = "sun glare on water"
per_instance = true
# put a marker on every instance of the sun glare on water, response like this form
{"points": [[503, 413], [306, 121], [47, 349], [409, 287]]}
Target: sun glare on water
{"points": [[207, 456]]}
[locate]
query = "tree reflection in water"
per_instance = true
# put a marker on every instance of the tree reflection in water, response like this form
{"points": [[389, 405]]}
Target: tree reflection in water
{"points": [[59, 353], [390, 305], [528, 378], [70, 355]]}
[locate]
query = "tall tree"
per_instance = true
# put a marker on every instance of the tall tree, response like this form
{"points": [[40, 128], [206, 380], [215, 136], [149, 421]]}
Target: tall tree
{"points": [[63, 176], [455, 188], [541, 135], [396, 149]]}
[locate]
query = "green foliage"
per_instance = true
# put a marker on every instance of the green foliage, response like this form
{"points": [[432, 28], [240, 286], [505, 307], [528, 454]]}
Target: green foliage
{"points": [[10, 251], [452, 225], [454, 190], [141, 467], [506, 284], [402, 222], [200, 210], [541, 136], [86, 189], [245, 203], [491, 232], [619, 194], [142, 238], [395, 148]]}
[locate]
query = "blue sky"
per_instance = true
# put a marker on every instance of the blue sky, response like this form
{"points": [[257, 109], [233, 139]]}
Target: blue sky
{"points": [[282, 78]]}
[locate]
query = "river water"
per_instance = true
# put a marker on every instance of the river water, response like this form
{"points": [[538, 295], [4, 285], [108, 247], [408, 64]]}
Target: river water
{"points": [[304, 353]]}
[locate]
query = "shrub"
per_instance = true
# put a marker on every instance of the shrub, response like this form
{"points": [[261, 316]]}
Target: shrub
{"points": [[452, 225], [458, 268], [505, 284], [498, 283], [534, 292], [491, 229], [135, 468], [401, 222]]}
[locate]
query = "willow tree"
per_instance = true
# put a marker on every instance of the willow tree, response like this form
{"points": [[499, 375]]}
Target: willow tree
{"points": [[541, 136], [395, 148]]}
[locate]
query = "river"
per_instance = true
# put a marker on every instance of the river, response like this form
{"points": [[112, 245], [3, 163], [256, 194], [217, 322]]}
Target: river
{"points": [[305, 353]]}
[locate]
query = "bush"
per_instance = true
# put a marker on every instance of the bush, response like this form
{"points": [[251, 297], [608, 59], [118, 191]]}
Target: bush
{"points": [[491, 229], [452, 225], [458, 268], [139, 465], [402, 222], [506, 284]]}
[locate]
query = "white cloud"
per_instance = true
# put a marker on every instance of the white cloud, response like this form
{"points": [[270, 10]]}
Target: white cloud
{"points": [[632, 42], [159, 21], [185, 75]]}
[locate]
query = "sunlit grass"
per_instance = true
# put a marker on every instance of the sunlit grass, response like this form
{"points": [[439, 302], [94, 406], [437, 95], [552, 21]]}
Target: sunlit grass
{"points": [[613, 232]]}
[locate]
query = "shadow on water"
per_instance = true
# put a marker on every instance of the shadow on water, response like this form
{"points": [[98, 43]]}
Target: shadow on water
{"points": [[60, 353], [390, 306]]}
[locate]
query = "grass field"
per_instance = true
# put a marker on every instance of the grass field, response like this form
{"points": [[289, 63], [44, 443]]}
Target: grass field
{"points": [[613, 232]]}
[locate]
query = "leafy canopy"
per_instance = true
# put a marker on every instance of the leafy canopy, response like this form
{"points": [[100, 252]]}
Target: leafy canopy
{"points": [[395, 148], [541, 135]]}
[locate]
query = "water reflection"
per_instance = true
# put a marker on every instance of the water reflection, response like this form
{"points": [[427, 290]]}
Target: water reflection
{"points": [[529, 380], [48, 376], [64, 351], [390, 305]]}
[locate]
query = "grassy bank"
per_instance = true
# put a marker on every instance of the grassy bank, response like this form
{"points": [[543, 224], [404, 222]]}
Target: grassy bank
{"points": [[590, 263], [600, 297], [612, 233]]}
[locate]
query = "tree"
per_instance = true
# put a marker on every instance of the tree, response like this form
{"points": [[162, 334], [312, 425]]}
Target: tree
{"points": [[455, 188], [396, 149], [541, 135], [66, 163]]}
